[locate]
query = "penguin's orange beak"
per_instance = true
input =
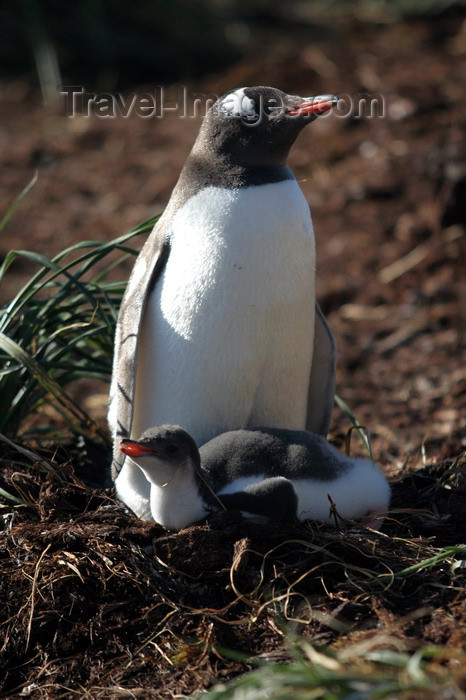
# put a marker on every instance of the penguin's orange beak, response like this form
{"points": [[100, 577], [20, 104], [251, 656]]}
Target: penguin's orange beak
{"points": [[133, 448], [314, 105]]}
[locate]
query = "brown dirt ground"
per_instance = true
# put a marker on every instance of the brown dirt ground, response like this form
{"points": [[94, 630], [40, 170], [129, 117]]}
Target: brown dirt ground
{"points": [[95, 601]]}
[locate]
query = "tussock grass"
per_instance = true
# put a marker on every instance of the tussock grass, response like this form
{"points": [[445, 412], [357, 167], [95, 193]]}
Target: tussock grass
{"points": [[59, 328]]}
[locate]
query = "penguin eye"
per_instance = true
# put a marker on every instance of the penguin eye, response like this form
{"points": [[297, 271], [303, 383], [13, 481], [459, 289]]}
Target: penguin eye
{"points": [[172, 449]]}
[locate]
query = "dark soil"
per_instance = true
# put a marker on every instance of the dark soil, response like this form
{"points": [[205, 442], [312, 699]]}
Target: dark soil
{"points": [[96, 600], [97, 603]]}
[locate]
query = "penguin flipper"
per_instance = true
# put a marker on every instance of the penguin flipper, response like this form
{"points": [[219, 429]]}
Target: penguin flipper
{"points": [[274, 498], [147, 268], [321, 391]]}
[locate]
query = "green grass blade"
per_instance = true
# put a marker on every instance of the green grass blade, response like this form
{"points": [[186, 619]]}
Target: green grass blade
{"points": [[50, 386], [9, 496], [346, 410], [6, 218]]}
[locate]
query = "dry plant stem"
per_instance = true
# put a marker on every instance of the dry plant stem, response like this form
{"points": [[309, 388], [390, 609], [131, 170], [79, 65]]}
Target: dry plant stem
{"points": [[33, 594]]}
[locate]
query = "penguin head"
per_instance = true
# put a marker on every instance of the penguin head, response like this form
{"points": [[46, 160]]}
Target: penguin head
{"points": [[161, 451], [256, 126]]}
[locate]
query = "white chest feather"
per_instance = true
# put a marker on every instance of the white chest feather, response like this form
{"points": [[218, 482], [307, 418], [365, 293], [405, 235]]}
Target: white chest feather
{"points": [[176, 504], [244, 250], [227, 335]]}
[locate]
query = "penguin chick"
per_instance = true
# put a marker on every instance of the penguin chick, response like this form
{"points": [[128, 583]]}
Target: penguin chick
{"points": [[275, 473]]}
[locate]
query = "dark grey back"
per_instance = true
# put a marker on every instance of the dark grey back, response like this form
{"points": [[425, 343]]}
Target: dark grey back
{"points": [[293, 454]]}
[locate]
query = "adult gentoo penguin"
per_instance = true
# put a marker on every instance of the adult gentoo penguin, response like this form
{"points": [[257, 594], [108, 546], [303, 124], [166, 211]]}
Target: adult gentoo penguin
{"points": [[218, 328], [279, 474]]}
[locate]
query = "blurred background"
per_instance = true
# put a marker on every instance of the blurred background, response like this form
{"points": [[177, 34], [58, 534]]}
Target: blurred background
{"points": [[388, 192]]}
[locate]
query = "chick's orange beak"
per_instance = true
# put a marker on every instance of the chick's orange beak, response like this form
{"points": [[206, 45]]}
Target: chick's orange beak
{"points": [[132, 448]]}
